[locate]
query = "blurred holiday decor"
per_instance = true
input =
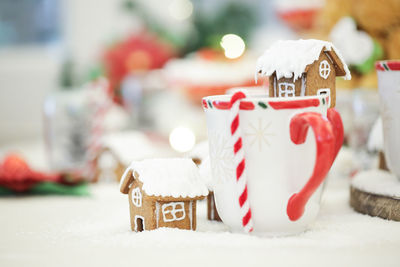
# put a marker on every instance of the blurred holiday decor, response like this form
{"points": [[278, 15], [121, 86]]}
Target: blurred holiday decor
{"points": [[17, 177], [365, 30], [206, 28], [137, 53]]}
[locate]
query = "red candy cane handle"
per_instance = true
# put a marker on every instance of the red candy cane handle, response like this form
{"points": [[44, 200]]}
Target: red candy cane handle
{"points": [[328, 137], [337, 126]]}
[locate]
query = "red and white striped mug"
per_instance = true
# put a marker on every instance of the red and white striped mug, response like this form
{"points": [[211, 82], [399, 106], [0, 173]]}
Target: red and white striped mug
{"points": [[266, 166]]}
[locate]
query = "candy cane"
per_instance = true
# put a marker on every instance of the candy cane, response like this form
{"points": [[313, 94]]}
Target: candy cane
{"points": [[240, 163], [100, 103]]}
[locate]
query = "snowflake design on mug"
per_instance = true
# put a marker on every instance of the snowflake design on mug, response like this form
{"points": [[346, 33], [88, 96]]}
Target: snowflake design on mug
{"points": [[221, 156], [259, 133]]}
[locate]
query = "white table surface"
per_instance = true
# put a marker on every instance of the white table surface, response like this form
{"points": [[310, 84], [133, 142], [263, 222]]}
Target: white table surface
{"points": [[95, 231]]}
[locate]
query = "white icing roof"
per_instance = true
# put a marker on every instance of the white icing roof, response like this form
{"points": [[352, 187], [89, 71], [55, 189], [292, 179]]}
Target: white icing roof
{"points": [[375, 139], [293, 56], [377, 182], [170, 177]]}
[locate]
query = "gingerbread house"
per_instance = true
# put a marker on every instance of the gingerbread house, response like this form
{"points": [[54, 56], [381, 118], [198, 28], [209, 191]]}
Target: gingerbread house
{"points": [[375, 143], [163, 193], [205, 173], [302, 68], [119, 149]]}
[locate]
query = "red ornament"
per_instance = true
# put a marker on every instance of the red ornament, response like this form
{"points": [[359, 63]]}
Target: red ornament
{"points": [[139, 52], [16, 174]]}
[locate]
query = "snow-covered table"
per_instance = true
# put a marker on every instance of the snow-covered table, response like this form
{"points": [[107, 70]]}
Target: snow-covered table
{"points": [[95, 231]]}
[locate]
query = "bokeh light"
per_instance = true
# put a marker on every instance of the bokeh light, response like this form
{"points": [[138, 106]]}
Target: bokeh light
{"points": [[180, 9], [233, 45], [182, 139]]}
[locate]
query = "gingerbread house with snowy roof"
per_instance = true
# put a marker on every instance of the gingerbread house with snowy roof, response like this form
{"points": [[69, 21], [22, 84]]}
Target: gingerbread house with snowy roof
{"points": [[206, 175], [163, 193], [302, 68]]}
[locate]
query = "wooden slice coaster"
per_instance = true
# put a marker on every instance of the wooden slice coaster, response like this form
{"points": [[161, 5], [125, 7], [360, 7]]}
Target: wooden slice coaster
{"points": [[376, 193]]}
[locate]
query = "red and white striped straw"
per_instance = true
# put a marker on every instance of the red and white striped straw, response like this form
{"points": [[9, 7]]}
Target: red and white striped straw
{"points": [[240, 163], [99, 103]]}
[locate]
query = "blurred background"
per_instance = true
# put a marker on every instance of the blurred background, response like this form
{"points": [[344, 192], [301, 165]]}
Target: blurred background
{"points": [[94, 83]]}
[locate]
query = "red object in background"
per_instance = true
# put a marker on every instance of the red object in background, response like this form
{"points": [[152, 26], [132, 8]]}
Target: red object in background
{"points": [[16, 174], [137, 53], [299, 19]]}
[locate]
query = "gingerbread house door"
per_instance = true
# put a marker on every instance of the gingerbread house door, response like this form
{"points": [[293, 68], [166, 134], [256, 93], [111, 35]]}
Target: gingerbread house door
{"points": [[325, 91], [139, 223]]}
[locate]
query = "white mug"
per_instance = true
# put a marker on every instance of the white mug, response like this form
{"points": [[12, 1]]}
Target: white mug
{"points": [[285, 164], [389, 91]]}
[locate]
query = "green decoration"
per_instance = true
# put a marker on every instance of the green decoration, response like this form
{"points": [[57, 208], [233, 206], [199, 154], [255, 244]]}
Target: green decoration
{"points": [[47, 188], [263, 105], [5, 191], [369, 65]]}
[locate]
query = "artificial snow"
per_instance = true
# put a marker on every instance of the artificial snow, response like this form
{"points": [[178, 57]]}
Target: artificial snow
{"points": [[375, 139], [176, 177], [377, 182], [291, 57], [95, 231]]}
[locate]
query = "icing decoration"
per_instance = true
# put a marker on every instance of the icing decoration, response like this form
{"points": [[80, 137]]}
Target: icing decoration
{"points": [[327, 149], [176, 177], [324, 69], [137, 197], [286, 90], [170, 211], [290, 58], [240, 163]]}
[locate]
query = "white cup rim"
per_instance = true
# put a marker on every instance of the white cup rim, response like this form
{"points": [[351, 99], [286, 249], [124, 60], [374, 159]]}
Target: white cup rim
{"points": [[222, 102], [265, 97], [387, 65]]}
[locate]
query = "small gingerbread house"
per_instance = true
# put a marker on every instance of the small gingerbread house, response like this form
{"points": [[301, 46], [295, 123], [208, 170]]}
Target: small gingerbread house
{"points": [[163, 193], [119, 149], [302, 68], [375, 143], [206, 175]]}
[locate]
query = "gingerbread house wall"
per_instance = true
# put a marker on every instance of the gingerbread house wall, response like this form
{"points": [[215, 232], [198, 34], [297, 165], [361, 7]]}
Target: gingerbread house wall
{"points": [[146, 210], [315, 82], [274, 85], [311, 80]]}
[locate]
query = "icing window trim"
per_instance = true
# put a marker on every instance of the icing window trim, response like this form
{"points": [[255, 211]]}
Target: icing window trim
{"points": [[136, 197], [176, 207], [324, 69], [286, 89]]}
